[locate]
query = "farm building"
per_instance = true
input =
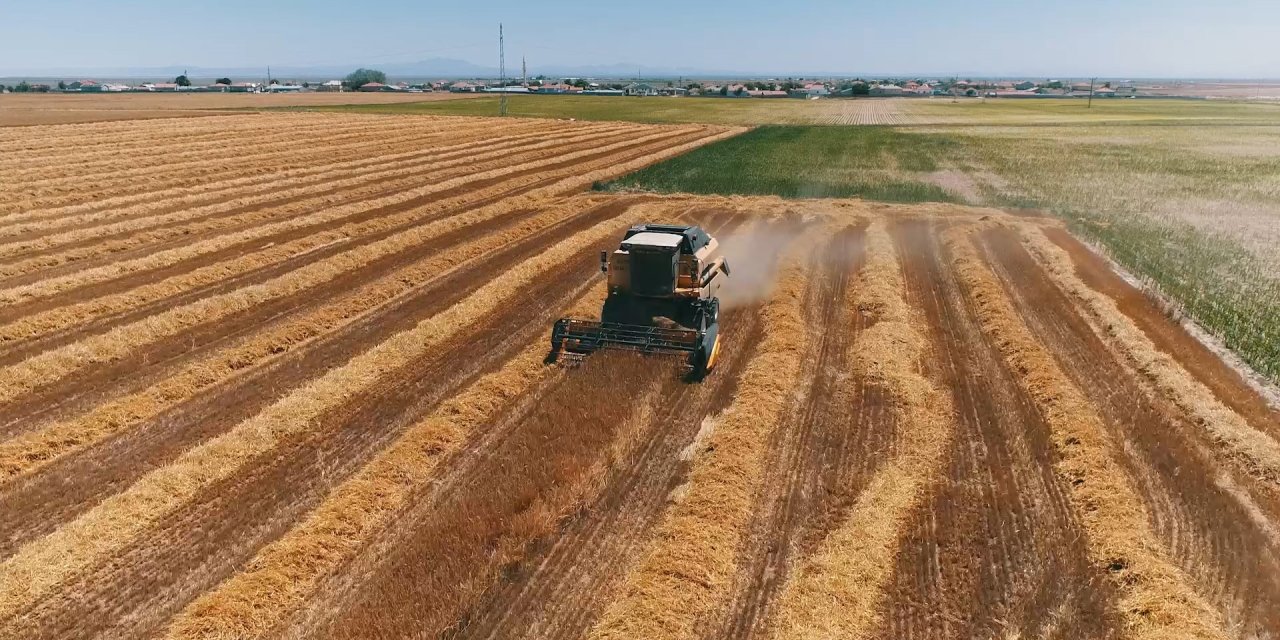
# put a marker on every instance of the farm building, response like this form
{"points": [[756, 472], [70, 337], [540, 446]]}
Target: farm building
{"points": [[465, 87], [815, 89], [886, 90], [640, 89], [372, 87], [330, 85]]}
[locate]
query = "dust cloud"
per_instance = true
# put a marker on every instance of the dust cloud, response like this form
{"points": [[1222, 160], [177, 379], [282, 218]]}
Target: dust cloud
{"points": [[752, 257]]}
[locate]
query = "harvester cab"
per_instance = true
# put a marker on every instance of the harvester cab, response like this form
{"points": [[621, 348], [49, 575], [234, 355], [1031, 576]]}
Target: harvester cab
{"points": [[664, 283]]}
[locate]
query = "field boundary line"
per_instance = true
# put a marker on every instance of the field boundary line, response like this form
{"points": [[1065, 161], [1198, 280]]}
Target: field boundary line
{"points": [[839, 590], [1155, 597], [688, 568], [1255, 450], [38, 567], [282, 576]]}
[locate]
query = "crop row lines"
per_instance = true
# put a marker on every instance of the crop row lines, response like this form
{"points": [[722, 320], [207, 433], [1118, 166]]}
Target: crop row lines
{"points": [[27, 577], [188, 223], [453, 181]]}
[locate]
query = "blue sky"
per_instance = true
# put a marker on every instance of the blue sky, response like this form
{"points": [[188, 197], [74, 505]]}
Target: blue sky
{"points": [[1180, 38]]}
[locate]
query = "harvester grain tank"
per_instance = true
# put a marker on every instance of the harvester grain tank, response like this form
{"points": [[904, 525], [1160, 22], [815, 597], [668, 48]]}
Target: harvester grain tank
{"points": [[664, 284]]}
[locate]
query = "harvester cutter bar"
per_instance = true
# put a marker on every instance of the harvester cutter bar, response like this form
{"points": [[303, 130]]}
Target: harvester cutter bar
{"points": [[585, 336]]}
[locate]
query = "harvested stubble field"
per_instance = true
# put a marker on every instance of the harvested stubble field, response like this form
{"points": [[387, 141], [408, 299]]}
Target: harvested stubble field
{"points": [[271, 390]]}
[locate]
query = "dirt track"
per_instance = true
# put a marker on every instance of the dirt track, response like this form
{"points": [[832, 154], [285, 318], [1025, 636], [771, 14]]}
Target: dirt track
{"points": [[306, 398]]}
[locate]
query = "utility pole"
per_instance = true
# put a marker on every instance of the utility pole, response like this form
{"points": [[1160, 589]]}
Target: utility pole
{"points": [[524, 72], [1091, 81], [502, 73]]}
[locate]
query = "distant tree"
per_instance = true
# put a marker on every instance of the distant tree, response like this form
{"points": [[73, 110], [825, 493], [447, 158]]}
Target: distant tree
{"points": [[306, 85], [274, 81], [1106, 85], [361, 77], [1056, 84], [740, 91], [860, 89], [222, 81], [62, 86], [724, 91], [182, 81], [22, 87], [971, 92]]}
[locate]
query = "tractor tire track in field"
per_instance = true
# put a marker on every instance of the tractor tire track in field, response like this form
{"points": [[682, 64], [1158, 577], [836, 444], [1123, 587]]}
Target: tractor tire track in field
{"points": [[819, 456], [1210, 370], [1206, 525], [564, 579], [998, 549], [521, 443]]}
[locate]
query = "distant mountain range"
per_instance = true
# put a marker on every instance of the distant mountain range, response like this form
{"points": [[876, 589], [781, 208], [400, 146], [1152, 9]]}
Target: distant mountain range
{"points": [[431, 68], [449, 68]]}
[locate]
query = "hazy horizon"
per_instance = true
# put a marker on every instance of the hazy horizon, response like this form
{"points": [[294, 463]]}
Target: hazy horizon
{"points": [[1180, 39]]}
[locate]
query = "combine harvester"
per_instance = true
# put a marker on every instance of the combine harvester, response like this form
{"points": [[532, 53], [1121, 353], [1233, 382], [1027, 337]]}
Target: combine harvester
{"points": [[663, 286]]}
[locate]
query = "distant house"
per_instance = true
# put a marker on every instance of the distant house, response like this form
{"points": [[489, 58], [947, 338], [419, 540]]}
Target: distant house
{"points": [[330, 85], [673, 91], [465, 87], [556, 88], [640, 89], [767, 93], [162, 86], [243, 87], [285, 88], [885, 90], [1025, 85], [372, 87], [815, 89]]}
